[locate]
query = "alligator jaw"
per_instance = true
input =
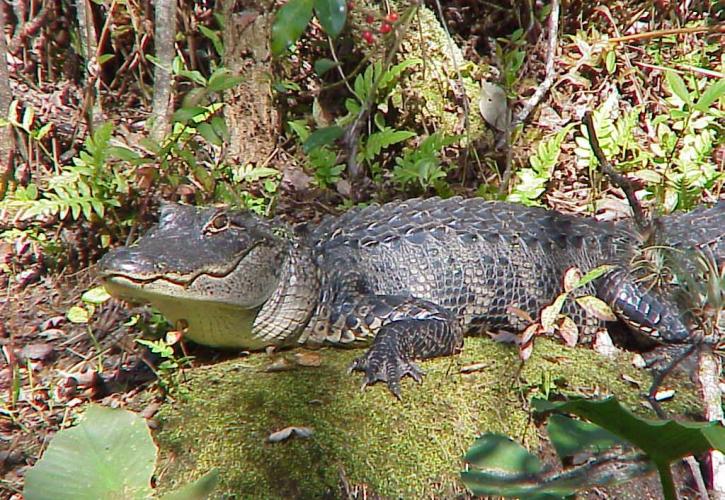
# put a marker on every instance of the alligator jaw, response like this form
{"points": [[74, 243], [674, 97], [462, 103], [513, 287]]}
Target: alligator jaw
{"points": [[209, 323]]}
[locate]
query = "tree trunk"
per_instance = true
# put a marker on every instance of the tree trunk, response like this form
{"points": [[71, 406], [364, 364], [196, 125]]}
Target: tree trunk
{"points": [[250, 112]]}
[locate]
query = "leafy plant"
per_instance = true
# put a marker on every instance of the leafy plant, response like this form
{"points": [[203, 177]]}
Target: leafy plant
{"points": [[320, 158], [169, 370], [421, 165], [553, 320], [109, 454], [532, 181], [292, 19], [512, 58], [621, 447], [92, 185]]}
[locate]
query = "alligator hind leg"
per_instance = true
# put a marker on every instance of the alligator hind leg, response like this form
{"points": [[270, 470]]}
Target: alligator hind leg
{"points": [[398, 343]]}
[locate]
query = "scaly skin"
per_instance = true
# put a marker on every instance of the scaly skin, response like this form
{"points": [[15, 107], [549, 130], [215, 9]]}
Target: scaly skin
{"points": [[413, 276]]}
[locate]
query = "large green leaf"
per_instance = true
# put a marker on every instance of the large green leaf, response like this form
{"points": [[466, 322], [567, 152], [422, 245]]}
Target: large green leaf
{"points": [[662, 440], [332, 15], [110, 454], [289, 24], [571, 436]]}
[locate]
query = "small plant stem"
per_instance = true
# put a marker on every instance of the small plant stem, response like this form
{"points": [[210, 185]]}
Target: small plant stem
{"points": [[668, 485], [97, 345]]}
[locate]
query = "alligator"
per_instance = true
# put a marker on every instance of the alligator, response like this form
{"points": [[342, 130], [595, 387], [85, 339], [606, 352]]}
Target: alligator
{"points": [[409, 278]]}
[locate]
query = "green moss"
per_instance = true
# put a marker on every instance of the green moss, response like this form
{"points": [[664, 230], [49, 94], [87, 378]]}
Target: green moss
{"points": [[398, 448], [431, 94]]}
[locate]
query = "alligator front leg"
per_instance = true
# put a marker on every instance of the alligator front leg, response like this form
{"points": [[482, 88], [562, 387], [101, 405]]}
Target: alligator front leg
{"points": [[391, 356]]}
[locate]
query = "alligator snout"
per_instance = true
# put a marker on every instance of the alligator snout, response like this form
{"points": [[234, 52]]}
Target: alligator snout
{"points": [[127, 261]]}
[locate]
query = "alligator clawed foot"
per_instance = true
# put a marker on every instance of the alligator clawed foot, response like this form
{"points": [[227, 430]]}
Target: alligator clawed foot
{"points": [[389, 369]]}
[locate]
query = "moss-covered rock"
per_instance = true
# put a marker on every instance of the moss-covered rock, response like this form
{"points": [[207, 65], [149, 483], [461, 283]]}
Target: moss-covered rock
{"points": [[410, 448]]}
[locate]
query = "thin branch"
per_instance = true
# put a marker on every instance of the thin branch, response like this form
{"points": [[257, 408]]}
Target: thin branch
{"points": [[544, 86], [660, 33], [617, 179]]}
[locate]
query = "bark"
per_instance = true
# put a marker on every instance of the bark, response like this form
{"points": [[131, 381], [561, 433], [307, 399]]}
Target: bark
{"points": [[6, 133], [250, 111], [164, 34]]}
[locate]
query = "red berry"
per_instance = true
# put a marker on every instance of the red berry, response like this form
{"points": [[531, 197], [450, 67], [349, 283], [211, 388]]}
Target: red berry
{"points": [[369, 18], [385, 28], [392, 17], [368, 37], [350, 5]]}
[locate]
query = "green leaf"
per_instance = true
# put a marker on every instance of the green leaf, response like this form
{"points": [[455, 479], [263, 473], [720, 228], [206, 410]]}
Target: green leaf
{"points": [[711, 94], [324, 65], [222, 79], [78, 315], [678, 87], [185, 114], [332, 15], [214, 37], [123, 153], [201, 488], [322, 137], [662, 440], [110, 454], [104, 58], [96, 295], [610, 61], [289, 24], [499, 453], [208, 133], [570, 436], [594, 274]]}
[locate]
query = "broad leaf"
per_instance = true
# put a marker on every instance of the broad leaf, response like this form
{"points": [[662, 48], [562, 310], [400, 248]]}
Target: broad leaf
{"points": [[289, 24], [596, 307], [570, 436], [110, 454], [332, 15], [711, 94], [663, 440]]}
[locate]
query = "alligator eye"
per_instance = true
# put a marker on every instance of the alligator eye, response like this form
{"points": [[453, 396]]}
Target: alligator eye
{"points": [[219, 223]]}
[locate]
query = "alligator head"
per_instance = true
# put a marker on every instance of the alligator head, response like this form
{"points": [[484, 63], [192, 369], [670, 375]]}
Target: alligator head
{"points": [[211, 268]]}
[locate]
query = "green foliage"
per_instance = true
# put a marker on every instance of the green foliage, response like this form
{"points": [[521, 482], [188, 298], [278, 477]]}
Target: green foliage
{"points": [[169, 371], [110, 454], [292, 19], [421, 165], [512, 58], [192, 152], [376, 79], [320, 158], [502, 467], [532, 181], [89, 187], [679, 165]]}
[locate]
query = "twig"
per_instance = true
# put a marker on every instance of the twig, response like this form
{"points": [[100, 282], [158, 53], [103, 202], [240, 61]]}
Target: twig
{"points": [[541, 90], [617, 179], [660, 33], [544, 86]]}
